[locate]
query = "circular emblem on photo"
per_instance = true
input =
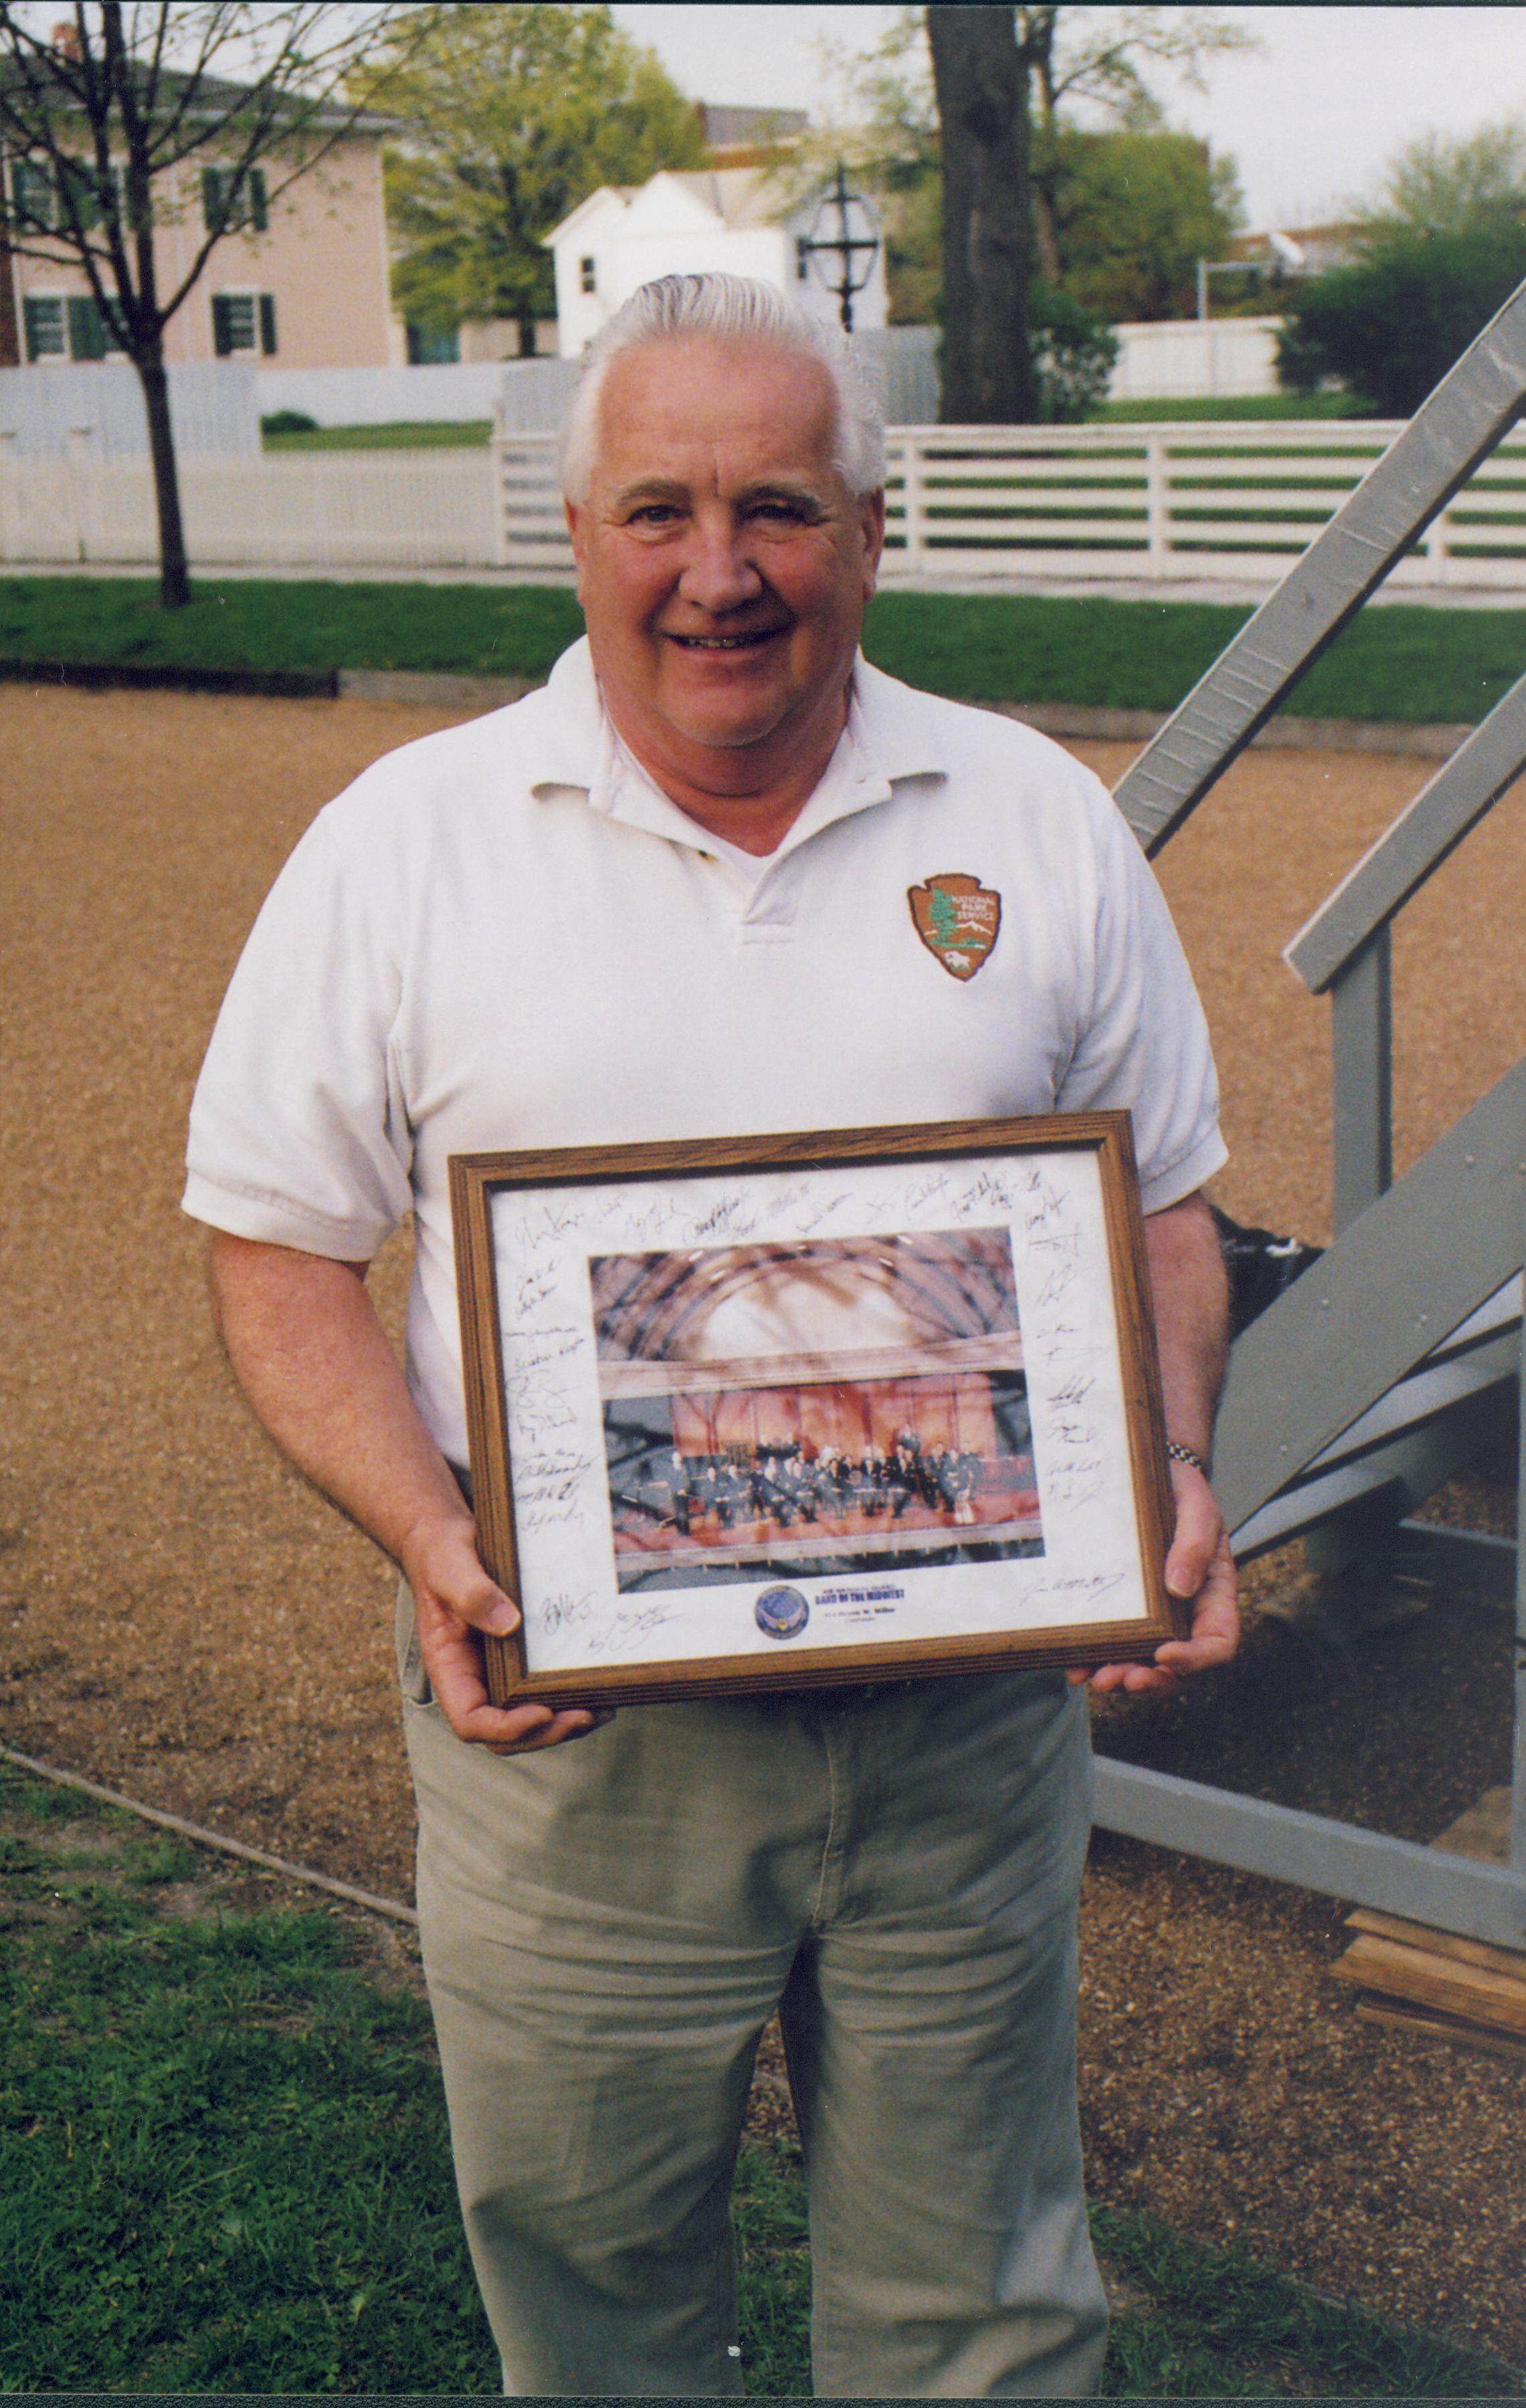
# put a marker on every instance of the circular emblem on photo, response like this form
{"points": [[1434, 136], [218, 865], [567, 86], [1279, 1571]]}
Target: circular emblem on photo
{"points": [[782, 1612]]}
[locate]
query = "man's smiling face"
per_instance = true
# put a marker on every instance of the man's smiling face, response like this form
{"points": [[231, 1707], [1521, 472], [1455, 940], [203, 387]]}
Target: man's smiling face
{"points": [[723, 564]]}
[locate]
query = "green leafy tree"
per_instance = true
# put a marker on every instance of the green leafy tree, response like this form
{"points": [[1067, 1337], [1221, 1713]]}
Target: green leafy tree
{"points": [[1132, 213], [1098, 56], [508, 117], [1470, 183], [1440, 249], [1389, 327]]}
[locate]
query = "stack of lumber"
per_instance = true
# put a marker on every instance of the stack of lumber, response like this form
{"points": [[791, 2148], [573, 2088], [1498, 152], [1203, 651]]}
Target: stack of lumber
{"points": [[1425, 1980], [1419, 1980]]}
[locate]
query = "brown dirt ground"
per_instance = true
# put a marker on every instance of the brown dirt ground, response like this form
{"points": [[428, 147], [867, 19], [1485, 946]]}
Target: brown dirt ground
{"points": [[181, 1618]]}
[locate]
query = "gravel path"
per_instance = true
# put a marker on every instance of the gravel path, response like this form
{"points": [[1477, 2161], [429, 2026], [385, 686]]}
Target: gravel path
{"points": [[181, 1619]]}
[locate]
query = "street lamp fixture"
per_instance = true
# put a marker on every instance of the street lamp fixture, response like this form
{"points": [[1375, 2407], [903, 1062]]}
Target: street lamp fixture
{"points": [[842, 236]]}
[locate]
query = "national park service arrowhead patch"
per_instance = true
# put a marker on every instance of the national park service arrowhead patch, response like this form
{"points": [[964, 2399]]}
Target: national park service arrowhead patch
{"points": [[957, 919]]}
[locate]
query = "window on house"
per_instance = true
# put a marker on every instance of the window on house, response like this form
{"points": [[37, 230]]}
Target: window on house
{"points": [[249, 213], [46, 334], [802, 256], [587, 275], [243, 322], [432, 346], [236, 325]]}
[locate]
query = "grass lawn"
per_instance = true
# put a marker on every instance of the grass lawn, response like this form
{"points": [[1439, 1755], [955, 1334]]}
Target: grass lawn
{"points": [[1394, 664], [224, 2164], [508, 631], [401, 434]]}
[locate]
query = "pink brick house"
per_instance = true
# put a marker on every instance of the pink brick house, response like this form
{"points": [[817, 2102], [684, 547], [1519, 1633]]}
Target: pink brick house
{"points": [[303, 284]]}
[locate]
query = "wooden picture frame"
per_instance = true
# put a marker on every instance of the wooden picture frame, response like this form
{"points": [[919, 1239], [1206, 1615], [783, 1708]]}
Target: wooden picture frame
{"points": [[749, 1413]]}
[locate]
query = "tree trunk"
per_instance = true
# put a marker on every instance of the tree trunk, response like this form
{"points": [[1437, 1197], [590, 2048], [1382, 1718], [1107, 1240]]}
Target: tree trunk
{"points": [[981, 79], [1046, 233], [10, 333], [526, 336], [174, 570]]}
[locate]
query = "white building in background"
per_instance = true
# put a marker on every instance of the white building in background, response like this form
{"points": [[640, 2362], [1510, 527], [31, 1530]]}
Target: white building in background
{"points": [[1196, 359], [739, 219]]}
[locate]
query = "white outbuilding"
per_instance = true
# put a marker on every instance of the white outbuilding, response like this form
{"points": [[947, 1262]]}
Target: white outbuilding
{"points": [[742, 221]]}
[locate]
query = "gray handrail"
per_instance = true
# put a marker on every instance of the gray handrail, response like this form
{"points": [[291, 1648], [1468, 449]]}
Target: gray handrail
{"points": [[1417, 842], [1475, 404]]}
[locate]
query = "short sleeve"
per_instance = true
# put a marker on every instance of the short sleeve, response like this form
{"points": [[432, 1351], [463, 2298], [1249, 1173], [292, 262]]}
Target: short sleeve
{"points": [[1143, 1042], [298, 1128]]}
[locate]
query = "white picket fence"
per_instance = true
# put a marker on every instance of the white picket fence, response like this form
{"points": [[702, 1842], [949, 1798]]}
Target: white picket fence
{"points": [[1230, 501]]}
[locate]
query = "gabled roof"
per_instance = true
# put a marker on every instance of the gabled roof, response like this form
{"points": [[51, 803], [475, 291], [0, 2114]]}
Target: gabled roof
{"points": [[736, 196], [597, 205], [37, 80]]}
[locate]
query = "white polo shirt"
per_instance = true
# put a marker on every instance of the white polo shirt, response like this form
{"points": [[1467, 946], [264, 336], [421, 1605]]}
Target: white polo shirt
{"points": [[505, 936]]}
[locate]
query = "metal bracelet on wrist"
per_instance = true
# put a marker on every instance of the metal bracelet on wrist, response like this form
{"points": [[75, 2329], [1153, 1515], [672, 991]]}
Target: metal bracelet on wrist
{"points": [[1180, 1454]]}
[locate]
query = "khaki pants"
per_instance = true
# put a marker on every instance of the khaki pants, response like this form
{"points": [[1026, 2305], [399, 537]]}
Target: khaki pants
{"points": [[608, 1926]]}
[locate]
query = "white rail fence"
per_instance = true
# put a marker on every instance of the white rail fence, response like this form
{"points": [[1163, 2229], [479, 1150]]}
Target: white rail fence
{"points": [[1227, 501]]}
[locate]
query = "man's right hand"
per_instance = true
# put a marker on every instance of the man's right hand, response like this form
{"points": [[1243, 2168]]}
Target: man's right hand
{"points": [[455, 1602], [318, 1368]]}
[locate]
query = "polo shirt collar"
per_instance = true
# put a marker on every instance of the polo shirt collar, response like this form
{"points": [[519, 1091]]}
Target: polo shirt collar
{"points": [[889, 737]]}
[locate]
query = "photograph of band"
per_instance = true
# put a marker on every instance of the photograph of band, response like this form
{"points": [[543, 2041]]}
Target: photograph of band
{"points": [[819, 1407]]}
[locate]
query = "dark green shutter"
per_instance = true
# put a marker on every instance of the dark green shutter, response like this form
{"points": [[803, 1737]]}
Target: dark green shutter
{"points": [[87, 333], [259, 210], [267, 324], [222, 325], [211, 201]]}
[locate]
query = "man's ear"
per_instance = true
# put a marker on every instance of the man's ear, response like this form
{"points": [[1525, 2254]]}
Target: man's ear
{"points": [[871, 509], [577, 527]]}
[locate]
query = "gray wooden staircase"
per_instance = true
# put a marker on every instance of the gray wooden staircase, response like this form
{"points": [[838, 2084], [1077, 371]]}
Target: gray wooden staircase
{"points": [[1387, 1364]]}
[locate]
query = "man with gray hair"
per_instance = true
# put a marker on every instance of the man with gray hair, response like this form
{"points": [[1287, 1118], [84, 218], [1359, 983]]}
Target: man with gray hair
{"points": [[669, 897]]}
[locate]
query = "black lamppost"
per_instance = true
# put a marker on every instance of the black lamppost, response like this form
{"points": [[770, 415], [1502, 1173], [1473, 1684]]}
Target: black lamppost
{"points": [[845, 247]]}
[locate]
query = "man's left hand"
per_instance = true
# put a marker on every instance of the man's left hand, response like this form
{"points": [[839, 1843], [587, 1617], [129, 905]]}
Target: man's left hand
{"points": [[1198, 1567]]}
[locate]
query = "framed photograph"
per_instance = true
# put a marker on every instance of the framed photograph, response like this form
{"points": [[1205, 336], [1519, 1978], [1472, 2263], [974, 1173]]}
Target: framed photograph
{"points": [[849, 1405]]}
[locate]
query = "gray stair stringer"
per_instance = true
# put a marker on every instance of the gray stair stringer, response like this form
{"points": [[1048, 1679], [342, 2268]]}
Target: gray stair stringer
{"points": [[1395, 1284], [1475, 404]]}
